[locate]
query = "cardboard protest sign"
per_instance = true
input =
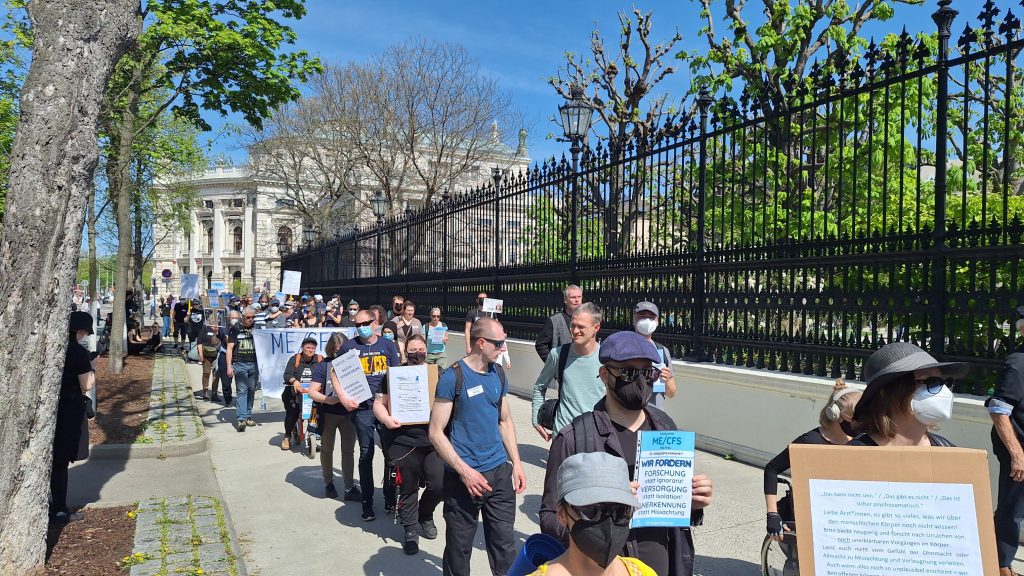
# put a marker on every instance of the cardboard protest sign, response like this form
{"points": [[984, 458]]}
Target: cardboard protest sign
{"points": [[878, 511], [411, 392], [190, 285]]}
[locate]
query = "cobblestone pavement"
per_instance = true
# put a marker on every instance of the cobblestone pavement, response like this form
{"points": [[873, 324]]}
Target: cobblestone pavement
{"points": [[182, 535], [172, 415]]}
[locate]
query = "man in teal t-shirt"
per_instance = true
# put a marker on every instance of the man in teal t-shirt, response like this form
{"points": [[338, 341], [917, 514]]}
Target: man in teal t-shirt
{"points": [[483, 472], [581, 387]]}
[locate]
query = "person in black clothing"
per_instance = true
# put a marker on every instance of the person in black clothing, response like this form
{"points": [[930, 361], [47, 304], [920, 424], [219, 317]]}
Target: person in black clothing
{"points": [[628, 372], [209, 346], [298, 373], [836, 429], [232, 318], [196, 319], [1006, 408], [906, 396], [408, 447], [349, 321], [473, 315], [77, 379]]}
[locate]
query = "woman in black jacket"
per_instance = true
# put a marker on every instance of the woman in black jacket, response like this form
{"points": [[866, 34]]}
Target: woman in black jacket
{"points": [[298, 373], [77, 379]]}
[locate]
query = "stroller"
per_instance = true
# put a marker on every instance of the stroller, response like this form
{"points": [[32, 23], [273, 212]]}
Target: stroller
{"points": [[308, 427]]}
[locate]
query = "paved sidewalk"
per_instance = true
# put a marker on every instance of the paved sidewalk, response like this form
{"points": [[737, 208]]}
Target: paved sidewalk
{"points": [[277, 501], [182, 535], [172, 416]]}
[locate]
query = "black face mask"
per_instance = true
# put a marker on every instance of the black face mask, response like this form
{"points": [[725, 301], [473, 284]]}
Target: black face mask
{"points": [[601, 540], [848, 428], [416, 358], [479, 301], [633, 395]]}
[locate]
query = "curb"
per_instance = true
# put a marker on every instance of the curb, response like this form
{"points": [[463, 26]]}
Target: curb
{"points": [[166, 450]]}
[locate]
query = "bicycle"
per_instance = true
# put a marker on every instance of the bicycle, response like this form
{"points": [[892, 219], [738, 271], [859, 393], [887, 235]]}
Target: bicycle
{"points": [[780, 558]]}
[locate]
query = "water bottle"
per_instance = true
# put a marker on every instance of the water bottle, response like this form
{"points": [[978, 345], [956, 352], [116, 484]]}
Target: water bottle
{"points": [[263, 401]]}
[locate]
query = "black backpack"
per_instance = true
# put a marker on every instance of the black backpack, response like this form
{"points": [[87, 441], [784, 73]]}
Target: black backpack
{"points": [[457, 368], [546, 414]]}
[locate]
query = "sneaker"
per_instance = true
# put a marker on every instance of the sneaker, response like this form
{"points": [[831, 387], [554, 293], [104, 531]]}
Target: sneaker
{"points": [[205, 394], [389, 509], [368, 514], [250, 422], [412, 543], [240, 425], [286, 444], [428, 529], [60, 518], [353, 494], [331, 491], [214, 397]]}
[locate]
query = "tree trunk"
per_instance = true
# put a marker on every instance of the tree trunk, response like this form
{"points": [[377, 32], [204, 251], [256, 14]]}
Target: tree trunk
{"points": [[52, 163], [137, 262], [94, 273], [120, 189]]}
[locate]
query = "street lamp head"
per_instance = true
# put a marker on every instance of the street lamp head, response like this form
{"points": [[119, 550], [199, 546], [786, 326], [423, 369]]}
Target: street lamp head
{"points": [[576, 115], [309, 233], [378, 204], [282, 246], [408, 211]]}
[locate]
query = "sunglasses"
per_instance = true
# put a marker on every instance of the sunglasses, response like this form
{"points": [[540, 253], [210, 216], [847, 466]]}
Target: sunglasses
{"points": [[249, 317], [934, 383], [620, 514], [435, 315], [631, 374], [367, 323], [499, 344]]}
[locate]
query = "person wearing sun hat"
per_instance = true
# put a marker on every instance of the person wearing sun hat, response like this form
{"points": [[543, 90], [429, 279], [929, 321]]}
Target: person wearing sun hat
{"points": [[595, 504], [1006, 408], [907, 395]]}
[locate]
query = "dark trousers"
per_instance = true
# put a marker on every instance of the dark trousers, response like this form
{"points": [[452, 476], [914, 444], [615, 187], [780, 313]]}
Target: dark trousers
{"points": [[225, 380], [1009, 507], [365, 424], [415, 466], [292, 409], [59, 485], [462, 512]]}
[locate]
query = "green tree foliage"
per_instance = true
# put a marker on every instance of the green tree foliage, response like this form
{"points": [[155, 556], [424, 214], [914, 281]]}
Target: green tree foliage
{"points": [[15, 42]]}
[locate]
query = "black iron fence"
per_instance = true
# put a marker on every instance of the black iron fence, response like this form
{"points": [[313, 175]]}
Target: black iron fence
{"points": [[881, 198]]}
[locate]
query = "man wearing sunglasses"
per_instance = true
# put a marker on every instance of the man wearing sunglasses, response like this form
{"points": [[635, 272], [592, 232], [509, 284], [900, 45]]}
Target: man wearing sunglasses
{"points": [[241, 365], [483, 472], [376, 354], [628, 374]]}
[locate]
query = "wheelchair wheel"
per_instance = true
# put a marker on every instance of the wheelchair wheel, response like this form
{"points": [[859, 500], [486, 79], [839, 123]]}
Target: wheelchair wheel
{"points": [[310, 446], [779, 558]]}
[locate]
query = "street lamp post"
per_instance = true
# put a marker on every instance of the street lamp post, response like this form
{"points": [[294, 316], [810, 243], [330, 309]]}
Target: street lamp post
{"points": [[379, 205], [576, 114]]}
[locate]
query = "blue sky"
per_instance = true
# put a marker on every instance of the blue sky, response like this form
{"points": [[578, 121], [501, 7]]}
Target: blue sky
{"points": [[522, 43]]}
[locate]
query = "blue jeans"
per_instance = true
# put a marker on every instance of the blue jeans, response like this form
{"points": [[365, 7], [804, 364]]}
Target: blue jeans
{"points": [[167, 326], [1009, 506], [365, 424], [245, 389]]}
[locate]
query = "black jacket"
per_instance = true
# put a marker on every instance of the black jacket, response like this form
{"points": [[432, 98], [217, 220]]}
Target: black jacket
{"points": [[680, 551], [546, 341]]}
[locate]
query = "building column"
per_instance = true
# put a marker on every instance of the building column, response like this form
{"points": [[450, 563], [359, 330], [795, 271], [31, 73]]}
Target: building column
{"points": [[218, 243], [249, 241], [193, 247]]}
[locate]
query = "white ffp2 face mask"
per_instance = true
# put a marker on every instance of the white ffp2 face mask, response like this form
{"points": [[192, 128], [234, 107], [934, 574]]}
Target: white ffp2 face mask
{"points": [[646, 326], [931, 409]]}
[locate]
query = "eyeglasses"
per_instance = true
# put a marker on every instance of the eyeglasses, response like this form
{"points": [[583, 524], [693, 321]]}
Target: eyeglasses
{"points": [[934, 383], [499, 344], [631, 374], [247, 317], [367, 323], [435, 315], [619, 513]]}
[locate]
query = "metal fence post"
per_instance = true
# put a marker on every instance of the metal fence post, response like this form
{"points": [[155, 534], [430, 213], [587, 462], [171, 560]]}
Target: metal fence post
{"points": [[496, 176], [574, 191], [943, 18], [699, 312], [445, 198]]}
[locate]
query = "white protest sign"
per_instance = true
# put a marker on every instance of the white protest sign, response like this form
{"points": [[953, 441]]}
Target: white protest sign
{"points": [[290, 282], [349, 370], [214, 296], [437, 334], [664, 470], [274, 347], [492, 305], [190, 285], [871, 528], [219, 286], [409, 393]]}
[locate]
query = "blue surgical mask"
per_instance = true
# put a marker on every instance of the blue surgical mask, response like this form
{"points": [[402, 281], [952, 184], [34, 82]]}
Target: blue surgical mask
{"points": [[365, 332], [389, 335]]}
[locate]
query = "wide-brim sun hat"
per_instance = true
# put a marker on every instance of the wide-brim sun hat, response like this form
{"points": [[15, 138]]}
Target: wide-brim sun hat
{"points": [[894, 360]]}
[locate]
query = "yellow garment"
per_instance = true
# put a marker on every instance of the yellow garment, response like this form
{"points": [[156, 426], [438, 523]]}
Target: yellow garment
{"points": [[633, 566]]}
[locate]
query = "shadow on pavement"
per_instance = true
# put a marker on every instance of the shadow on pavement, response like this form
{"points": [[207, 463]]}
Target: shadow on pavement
{"points": [[531, 507], [87, 479], [707, 566], [390, 559], [535, 455]]}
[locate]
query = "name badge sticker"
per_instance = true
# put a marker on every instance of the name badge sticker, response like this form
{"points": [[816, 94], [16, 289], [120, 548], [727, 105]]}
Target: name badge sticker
{"points": [[475, 391]]}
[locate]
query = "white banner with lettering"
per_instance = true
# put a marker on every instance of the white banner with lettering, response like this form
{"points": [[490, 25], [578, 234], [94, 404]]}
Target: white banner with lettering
{"points": [[274, 347]]}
